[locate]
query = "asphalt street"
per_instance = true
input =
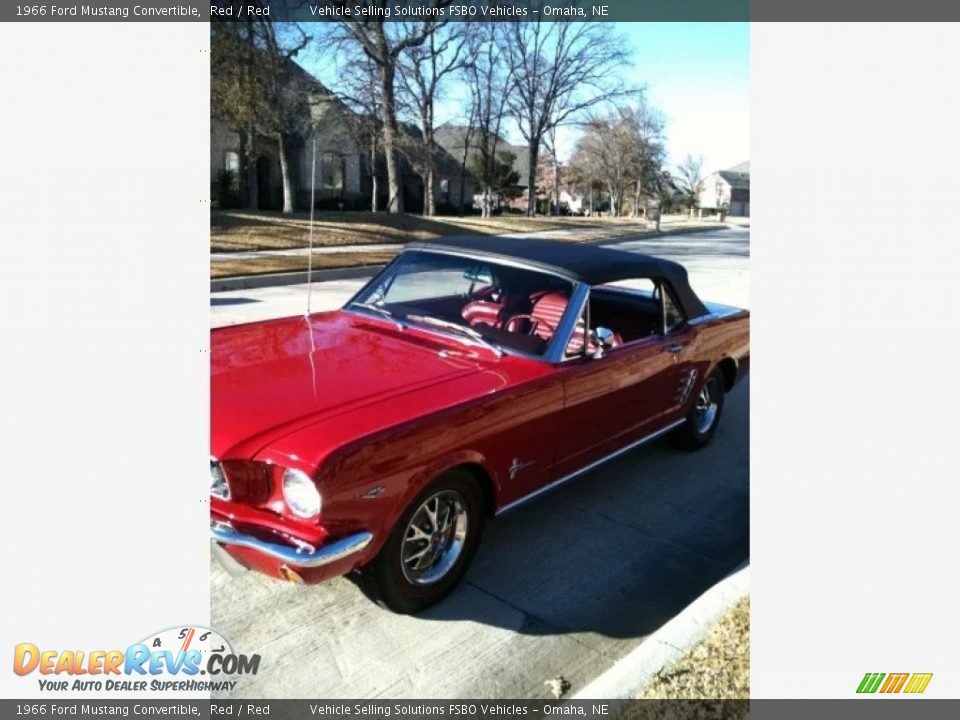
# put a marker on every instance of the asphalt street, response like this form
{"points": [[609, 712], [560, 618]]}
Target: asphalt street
{"points": [[564, 585], [718, 263]]}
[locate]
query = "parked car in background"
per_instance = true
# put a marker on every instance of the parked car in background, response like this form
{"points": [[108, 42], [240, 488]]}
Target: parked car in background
{"points": [[468, 377]]}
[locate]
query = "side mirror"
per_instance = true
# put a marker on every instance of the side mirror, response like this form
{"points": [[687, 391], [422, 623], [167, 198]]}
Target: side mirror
{"points": [[603, 339]]}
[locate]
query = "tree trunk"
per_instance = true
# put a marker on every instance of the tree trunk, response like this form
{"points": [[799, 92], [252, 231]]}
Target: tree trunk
{"points": [[253, 200], [637, 195], [429, 202], [533, 151], [556, 186], [285, 174], [374, 200], [390, 133], [463, 173]]}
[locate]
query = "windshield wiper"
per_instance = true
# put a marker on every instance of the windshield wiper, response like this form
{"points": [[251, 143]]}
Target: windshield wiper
{"points": [[463, 330], [381, 311]]}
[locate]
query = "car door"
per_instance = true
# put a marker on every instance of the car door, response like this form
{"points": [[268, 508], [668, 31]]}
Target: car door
{"points": [[614, 400]]}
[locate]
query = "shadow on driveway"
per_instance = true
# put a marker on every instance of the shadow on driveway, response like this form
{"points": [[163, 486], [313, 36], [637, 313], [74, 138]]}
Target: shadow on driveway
{"points": [[621, 550]]}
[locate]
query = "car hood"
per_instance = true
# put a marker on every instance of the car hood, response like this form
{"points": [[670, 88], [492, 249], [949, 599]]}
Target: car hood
{"points": [[267, 378]]}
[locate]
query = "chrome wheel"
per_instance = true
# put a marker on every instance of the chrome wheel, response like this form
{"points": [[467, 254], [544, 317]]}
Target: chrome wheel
{"points": [[434, 539], [705, 411]]}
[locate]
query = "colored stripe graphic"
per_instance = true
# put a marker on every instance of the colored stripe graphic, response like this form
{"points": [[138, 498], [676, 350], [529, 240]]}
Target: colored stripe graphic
{"points": [[870, 682], [895, 682], [918, 682]]}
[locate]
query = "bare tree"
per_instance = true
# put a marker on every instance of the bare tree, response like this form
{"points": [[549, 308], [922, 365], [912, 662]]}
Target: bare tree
{"points": [[604, 153], [234, 94], [359, 91], [286, 114], [689, 177], [550, 145], [383, 43], [489, 79], [423, 69], [622, 148], [468, 136], [649, 152], [254, 90], [559, 70]]}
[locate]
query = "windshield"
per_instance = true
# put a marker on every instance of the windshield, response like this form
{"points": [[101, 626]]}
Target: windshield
{"points": [[507, 307]]}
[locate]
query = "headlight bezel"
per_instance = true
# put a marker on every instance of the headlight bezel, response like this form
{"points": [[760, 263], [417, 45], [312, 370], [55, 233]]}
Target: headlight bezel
{"points": [[219, 485], [300, 494]]}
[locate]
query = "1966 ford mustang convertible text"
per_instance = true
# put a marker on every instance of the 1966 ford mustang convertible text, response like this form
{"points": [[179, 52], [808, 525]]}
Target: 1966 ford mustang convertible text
{"points": [[467, 377]]}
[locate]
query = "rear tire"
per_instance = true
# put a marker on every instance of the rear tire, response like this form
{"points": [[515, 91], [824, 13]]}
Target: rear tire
{"points": [[704, 416], [430, 548]]}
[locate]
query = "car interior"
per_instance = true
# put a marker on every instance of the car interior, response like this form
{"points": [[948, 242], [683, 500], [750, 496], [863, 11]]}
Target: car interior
{"points": [[520, 309]]}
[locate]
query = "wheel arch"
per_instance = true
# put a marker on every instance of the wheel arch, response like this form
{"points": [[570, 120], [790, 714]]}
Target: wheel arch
{"points": [[728, 368], [484, 481]]}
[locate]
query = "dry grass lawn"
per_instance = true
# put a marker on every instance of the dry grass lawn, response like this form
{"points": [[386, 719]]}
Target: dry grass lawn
{"points": [[717, 668], [240, 231], [710, 682]]}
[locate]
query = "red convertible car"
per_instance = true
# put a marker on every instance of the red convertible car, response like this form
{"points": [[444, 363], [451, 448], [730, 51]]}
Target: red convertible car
{"points": [[467, 377]]}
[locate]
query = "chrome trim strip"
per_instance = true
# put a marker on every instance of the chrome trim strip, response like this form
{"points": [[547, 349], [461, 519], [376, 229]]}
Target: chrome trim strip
{"points": [[337, 550], [591, 466], [715, 311]]}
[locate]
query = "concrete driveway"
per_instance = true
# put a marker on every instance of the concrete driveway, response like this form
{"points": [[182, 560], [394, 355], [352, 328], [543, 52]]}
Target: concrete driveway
{"points": [[564, 585]]}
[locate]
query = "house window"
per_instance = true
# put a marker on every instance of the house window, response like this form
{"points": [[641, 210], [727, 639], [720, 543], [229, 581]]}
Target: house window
{"points": [[331, 172], [445, 190], [231, 161]]}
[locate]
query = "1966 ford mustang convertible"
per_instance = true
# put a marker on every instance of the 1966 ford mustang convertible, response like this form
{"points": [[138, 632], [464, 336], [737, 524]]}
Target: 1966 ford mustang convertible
{"points": [[465, 378]]}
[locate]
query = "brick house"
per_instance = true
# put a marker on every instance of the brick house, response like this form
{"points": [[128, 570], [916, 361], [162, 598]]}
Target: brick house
{"points": [[727, 188]]}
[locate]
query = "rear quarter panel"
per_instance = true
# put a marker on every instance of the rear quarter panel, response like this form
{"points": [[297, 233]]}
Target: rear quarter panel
{"points": [[725, 333]]}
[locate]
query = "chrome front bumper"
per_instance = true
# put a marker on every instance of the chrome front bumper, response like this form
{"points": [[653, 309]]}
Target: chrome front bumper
{"points": [[304, 556]]}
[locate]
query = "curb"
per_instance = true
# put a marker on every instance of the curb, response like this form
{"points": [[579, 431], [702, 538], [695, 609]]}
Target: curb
{"points": [[632, 673], [298, 277]]}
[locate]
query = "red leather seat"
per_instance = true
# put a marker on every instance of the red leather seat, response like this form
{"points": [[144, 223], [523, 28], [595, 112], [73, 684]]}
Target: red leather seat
{"points": [[483, 312], [548, 309]]}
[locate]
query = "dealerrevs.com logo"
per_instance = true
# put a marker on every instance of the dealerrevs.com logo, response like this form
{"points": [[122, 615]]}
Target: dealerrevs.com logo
{"points": [[893, 683], [181, 659]]}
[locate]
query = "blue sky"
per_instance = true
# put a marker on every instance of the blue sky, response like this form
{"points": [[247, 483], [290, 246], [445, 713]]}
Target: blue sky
{"points": [[697, 74]]}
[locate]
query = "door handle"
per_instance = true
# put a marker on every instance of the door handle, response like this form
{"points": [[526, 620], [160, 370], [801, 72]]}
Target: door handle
{"points": [[675, 348]]}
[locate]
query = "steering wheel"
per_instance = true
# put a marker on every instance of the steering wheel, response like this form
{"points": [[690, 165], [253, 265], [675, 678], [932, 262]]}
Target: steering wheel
{"points": [[535, 323]]}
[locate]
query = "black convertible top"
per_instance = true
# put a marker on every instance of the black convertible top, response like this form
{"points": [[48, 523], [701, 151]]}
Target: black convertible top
{"points": [[582, 262]]}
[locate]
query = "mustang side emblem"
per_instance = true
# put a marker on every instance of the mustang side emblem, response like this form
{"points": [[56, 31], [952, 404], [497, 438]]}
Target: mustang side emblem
{"points": [[516, 466], [686, 385]]}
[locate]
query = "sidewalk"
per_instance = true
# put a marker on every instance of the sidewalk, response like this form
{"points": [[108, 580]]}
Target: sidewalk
{"points": [[226, 266]]}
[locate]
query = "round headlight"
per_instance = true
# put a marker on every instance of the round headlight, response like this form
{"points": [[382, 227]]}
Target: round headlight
{"points": [[300, 493]]}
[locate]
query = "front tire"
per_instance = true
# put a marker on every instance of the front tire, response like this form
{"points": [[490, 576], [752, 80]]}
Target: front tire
{"points": [[430, 548], [702, 420]]}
